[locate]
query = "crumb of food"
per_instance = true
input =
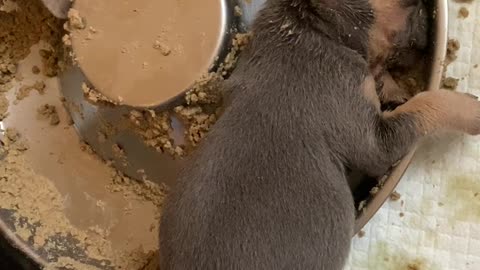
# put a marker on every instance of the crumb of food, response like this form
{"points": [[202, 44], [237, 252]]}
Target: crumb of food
{"points": [[50, 63], [118, 151], [85, 147], [440, 204], [49, 112], [133, 189], [199, 122], [24, 91], [67, 39], [12, 134], [395, 196], [36, 70], [238, 11], [239, 43], [362, 205], [382, 180], [450, 83], [95, 96], [75, 20], [453, 46], [3, 107], [92, 30], [361, 234], [463, 13], [475, 66], [162, 47], [13, 143], [374, 190], [154, 128], [401, 214]]}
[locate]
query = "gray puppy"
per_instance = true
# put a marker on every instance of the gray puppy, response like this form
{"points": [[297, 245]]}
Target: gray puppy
{"points": [[267, 188]]}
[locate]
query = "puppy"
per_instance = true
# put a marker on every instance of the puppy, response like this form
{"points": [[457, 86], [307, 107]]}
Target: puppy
{"points": [[267, 188]]}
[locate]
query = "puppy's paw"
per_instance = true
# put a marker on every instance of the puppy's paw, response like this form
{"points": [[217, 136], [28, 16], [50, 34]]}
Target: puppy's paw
{"points": [[464, 111], [473, 124]]}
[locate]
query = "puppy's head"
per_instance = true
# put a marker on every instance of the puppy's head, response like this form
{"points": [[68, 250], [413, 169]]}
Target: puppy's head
{"points": [[399, 26], [411, 44]]}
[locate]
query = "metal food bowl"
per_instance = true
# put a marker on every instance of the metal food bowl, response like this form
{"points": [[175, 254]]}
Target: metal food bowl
{"points": [[78, 179], [90, 119]]}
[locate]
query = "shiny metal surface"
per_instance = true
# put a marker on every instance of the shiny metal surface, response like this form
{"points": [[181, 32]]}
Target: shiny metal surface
{"points": [[90, 119], [58, 8]]}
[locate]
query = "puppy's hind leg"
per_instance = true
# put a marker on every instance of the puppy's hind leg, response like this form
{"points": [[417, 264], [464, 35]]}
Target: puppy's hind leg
{"points": [[397, 131]]}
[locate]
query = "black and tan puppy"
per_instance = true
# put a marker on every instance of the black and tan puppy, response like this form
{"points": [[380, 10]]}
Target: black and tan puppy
{"points": [[267, 188]]}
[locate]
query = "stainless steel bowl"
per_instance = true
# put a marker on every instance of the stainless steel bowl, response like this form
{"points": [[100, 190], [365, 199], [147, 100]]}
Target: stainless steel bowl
{"points": [[90, 119]]}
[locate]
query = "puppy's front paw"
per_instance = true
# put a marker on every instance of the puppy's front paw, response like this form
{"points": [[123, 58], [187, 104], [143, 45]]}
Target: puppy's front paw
{"points": [[473, 127], [465, 112]]}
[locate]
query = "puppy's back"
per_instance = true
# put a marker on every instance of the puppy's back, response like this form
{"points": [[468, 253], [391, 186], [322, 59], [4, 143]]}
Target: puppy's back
{"points": [[262, 204]]}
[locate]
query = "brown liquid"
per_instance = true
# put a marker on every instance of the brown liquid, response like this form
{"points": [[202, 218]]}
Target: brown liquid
{"points": [[120, 59]]}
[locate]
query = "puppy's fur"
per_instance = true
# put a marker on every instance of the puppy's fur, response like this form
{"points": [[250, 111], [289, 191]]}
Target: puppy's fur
{"points": [[267, 188]]}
